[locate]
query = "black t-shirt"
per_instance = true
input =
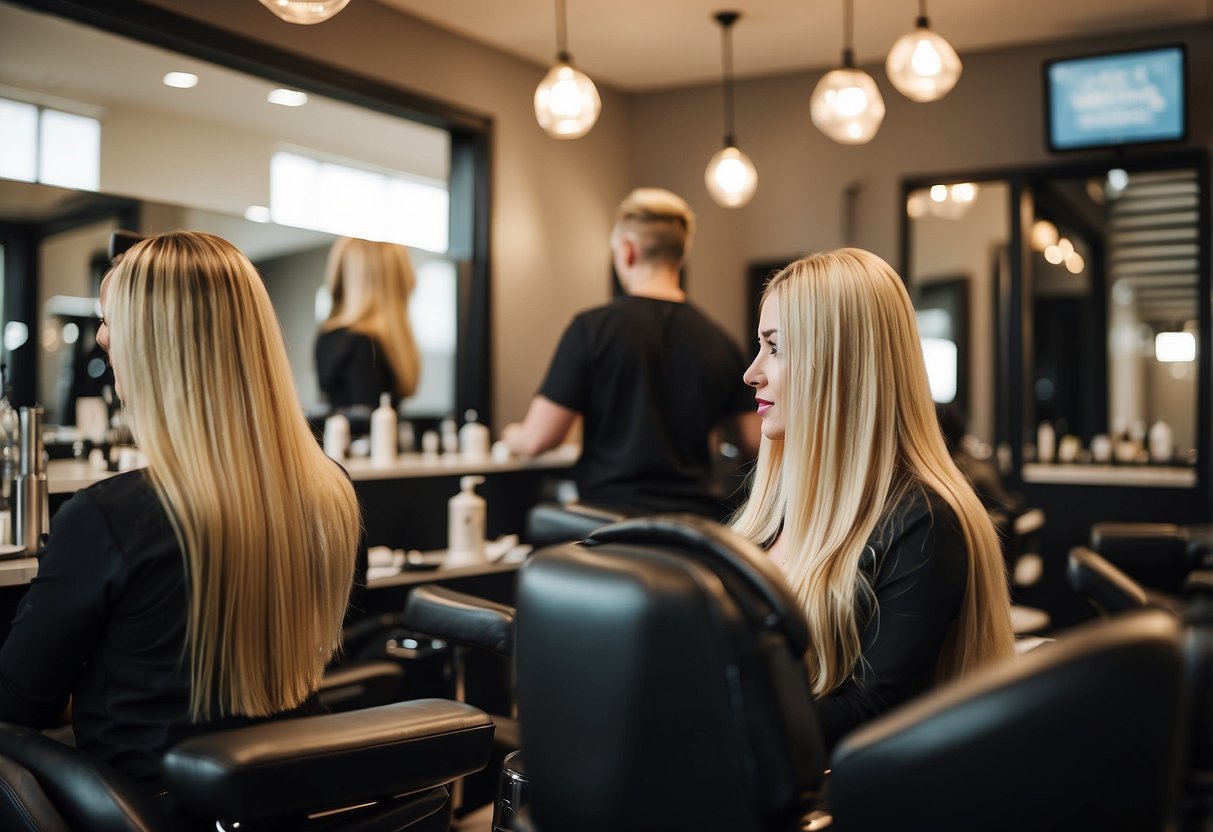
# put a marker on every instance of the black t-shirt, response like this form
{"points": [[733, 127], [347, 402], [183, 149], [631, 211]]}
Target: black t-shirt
{"points": [[104, 623], [917, 565], [351, 369], [652, 379]]}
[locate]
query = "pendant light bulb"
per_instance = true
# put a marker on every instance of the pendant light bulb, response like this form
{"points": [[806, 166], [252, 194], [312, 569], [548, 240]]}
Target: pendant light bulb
{"points": [[922, 65], [846, 104], [566, 102], [305, 11], [731, 178]]}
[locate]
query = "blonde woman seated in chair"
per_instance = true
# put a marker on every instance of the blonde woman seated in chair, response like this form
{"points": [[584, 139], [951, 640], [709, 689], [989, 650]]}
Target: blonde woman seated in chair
{"points": [[856, 498], [207, 590]]}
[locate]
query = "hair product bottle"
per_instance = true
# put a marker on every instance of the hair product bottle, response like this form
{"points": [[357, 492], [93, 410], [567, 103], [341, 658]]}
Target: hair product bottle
{"points": [[473, 437], [383, 432], [465, 524]]}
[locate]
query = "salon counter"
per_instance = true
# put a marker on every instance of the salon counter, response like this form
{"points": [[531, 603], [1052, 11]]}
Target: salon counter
{"points": [[67, 476]]}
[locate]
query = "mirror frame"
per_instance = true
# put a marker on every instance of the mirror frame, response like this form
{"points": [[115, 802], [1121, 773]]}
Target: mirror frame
{"points": [[470, 165], [1014, 324]]}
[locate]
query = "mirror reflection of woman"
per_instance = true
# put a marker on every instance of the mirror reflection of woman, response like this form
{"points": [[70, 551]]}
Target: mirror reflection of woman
{"points": [[207, 590], [857, 500], [366, 345]]}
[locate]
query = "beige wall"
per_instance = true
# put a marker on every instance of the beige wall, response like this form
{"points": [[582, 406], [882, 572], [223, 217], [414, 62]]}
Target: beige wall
{"points": [[991, 120], [552, 200]]}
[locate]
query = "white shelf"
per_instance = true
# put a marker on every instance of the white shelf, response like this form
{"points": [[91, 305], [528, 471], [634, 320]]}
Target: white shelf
{"points": [[1139, 476]]}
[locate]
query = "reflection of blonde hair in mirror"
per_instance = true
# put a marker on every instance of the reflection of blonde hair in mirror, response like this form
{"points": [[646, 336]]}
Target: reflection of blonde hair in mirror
{"points": [[370, 284], [662, 223], [268, 525], [860, 432]]}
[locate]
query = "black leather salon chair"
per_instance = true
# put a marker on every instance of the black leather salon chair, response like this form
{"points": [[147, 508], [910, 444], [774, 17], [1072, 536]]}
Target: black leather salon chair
{"points": [[1086, 733], [551, 523], [661, 683], [1197, 810], [1157, 555], [374, 770]]}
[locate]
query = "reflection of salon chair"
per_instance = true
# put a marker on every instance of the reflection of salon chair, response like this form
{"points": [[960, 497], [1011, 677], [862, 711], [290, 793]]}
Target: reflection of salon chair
{"points": [[1197, 807], [1086, 733], [384, 768], [549, 523], [1156, 555]]}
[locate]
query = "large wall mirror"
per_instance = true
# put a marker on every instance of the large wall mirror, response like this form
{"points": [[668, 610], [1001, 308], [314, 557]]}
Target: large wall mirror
{"points": [[1061, 311], [280, 175]]}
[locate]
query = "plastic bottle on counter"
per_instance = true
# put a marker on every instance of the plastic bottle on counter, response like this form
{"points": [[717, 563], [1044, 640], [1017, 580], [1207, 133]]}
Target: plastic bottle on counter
{"points": [[1162, 442], [450, 435], [383, 432], [407, 437], [336, 436], [1046, 442], [473, 437], [465, 524]]}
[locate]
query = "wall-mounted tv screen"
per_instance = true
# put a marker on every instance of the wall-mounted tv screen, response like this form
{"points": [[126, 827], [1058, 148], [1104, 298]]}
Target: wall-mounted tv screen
{"points": [[1116, 99]]}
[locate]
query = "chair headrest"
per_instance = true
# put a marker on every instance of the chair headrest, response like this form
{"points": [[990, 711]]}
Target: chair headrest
{"points": [[701, 537]]}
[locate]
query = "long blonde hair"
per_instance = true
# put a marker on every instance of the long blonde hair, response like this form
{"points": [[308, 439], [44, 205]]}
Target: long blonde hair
{"points": [[370, 284], [860, 431], [267, 524]]}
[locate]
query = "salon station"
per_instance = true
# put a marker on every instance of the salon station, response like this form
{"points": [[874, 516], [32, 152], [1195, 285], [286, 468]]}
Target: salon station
{"points": [[602, 308]]}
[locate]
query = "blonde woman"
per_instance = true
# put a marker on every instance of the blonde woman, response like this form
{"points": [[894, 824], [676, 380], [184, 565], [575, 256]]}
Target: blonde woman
{"points": [[855, 496], [208, 589], [366, 345]]}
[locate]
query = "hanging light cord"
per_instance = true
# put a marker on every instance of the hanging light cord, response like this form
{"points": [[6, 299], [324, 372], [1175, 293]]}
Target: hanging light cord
{"points": [[727, 19], [922, 14], [562, 45], [848, 53]]}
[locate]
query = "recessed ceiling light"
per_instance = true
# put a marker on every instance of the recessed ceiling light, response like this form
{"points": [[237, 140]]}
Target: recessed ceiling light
{"points": [[257, 213], [287, 98], [181, 80]]}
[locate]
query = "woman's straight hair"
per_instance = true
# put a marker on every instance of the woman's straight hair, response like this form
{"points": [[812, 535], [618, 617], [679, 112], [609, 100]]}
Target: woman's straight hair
{"points": [[268, 525], [861, 432], [370, 284]]}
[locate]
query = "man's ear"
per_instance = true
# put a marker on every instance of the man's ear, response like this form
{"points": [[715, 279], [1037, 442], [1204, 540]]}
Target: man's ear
{"points": [[628, 249]]}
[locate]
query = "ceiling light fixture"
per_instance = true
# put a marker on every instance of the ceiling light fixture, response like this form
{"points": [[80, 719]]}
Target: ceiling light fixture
{"points": [[180, 80], [287, 98], [305, 12], [566, 100], [730, 175], [846, 104], [922, 65]]}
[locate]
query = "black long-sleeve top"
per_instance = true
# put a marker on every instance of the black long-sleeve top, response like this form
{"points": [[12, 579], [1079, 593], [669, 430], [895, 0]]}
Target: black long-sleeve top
{"points": [[917, 565], [104, 622], [352, 369]]}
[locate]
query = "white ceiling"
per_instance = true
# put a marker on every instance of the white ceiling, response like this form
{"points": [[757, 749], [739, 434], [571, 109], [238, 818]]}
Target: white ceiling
{"points": [[635, 45]]}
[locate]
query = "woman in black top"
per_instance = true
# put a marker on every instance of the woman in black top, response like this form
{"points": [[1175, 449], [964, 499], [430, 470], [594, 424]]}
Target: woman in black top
{"points": [[208, 589], [366, 345], [854, 495]]}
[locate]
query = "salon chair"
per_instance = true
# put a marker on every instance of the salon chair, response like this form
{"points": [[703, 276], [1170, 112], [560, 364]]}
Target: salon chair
{"points": [[1197, 809], [1157, 555], [374, 770], [1087, 733], [1111, 589], [660, 679], [551, 523]]}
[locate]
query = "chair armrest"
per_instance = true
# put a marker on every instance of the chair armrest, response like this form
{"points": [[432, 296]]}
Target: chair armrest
{"points": [[322, 762], [464, 619], [549, 523], [87, 794], [1097, 580]]}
